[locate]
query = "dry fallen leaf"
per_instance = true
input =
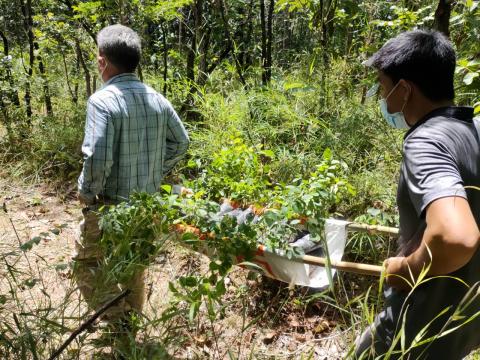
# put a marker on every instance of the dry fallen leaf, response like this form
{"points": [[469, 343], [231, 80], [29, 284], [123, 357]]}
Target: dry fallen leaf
{"points": [[200, 339], [300, 337], [321, 327], [293, 321], [269, 337]]}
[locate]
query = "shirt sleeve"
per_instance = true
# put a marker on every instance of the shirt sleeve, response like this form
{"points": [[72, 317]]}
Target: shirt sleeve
{"points": [[177, 140], [97, 150], [431, 171]]}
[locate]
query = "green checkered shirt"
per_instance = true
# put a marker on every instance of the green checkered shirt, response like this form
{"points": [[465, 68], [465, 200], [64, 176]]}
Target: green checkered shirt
{"points": [[133, 137]]}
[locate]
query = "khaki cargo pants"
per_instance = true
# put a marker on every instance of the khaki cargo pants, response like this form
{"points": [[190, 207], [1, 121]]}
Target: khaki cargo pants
{"points": [[92, 282]]}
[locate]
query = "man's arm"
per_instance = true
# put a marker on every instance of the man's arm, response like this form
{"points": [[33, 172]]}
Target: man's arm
{"points": [[97, 149], [452, 236], [177, 140]]}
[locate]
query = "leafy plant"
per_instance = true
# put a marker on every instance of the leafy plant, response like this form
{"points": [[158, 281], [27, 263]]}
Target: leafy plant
{"points": [[238, 172], [134, 232]]}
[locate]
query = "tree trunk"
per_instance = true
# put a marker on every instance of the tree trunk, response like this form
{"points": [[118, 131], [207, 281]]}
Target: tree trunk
{"points": [[228, 36], [88, 87], [122, 14], [269, 63], [191, 57], [140, 72], [248, 38], [28, 24], [165, 58], [442, 17], [327, 28], [67, 78], [13, 95], [46, 89], [202, 39], [264, 42], [77, 68]]}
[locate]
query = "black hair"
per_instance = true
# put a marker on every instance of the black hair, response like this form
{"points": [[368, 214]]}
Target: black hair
{"points": [[424, 57], [121, 46]]}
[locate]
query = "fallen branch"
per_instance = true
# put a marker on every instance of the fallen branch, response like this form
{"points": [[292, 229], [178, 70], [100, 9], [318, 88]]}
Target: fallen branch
{"points": [[89, 322]]}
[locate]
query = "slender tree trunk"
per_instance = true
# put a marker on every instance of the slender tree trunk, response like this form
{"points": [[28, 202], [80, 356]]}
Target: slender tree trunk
{"points": [[140, 72], [202, 40], [77, 68], [248, 38], [28, 24], [67, 78], [121, 10], [180, 35], [228, 35], [165, 58], [46, 89], [88, 87], [348, 41], [14, 98], [327, 28], [191, 54], [3, 94], [264, 42], [269, 63], [442, 17], [191, 57]]}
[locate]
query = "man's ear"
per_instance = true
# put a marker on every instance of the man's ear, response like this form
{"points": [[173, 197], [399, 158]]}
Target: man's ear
{"points": [[102, 62], [407, 89]]}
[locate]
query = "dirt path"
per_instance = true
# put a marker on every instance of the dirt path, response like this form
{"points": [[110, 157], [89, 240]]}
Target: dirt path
{"points": [[281, 327]]}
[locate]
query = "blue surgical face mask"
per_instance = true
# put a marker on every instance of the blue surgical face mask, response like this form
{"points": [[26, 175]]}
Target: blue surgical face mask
{"points": [[396, 120]]}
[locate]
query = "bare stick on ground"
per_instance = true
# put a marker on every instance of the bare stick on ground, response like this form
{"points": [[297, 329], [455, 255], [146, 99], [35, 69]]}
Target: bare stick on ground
{"points": [[89, 322]]}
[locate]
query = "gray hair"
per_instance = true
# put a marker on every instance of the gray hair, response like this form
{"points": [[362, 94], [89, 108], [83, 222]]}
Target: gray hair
{"points": [[121, 46]]}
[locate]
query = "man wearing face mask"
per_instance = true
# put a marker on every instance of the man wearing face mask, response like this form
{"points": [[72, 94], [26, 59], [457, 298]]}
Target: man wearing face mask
{"points": [[439, 208], [133, 137]]}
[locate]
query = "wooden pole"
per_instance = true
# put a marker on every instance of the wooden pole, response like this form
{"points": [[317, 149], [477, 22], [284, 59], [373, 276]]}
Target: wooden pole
{"points": [[373, 229], [357, 268]]}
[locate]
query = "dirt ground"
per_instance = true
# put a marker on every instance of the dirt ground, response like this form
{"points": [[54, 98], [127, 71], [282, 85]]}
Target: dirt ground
{"points": [[282, 328]]}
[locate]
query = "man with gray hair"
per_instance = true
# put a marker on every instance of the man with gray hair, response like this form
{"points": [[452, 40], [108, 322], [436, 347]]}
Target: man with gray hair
{"points": [[133, 137]]}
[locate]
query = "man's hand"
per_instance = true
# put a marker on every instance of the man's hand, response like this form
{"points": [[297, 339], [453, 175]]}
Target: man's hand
{"points": [[397, 274], [449, 242]]}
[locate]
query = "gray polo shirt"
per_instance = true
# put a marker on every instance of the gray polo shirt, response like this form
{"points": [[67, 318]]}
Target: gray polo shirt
{"points": [[441, 156]]}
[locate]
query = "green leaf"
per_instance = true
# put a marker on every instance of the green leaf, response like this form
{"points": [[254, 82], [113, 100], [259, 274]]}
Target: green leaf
{"points": [[31, 282], [166, 188], [327, 154], [172, 288], [193, 310], [61, 267], [295, 85], [477, 107], [29, 244], [468, 79], [268, 153]]}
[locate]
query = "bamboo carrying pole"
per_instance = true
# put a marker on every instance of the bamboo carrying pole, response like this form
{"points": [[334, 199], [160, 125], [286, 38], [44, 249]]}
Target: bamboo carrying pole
{"points": [[357, 268], [373, 229]]}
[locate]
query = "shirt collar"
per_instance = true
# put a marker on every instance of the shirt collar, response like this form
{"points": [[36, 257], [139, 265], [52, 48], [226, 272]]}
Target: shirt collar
{"points": [[121, 78], [463, 113]]}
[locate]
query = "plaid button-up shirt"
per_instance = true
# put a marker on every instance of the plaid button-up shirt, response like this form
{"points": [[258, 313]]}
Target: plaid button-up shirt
{"points": [[133, 137]]}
